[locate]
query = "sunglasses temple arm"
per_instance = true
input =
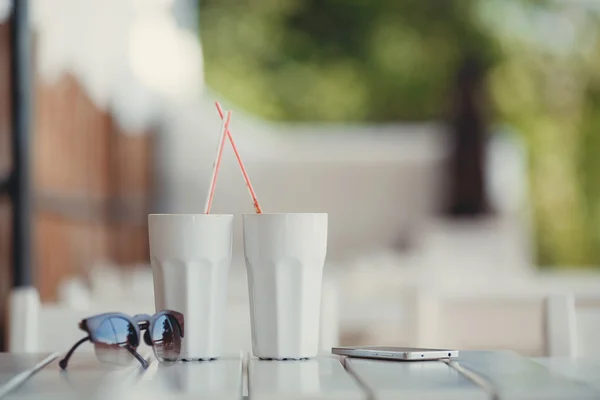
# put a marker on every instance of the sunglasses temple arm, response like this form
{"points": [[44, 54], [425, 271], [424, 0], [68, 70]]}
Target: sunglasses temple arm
{"points": [[137, 356], [63, 363]]}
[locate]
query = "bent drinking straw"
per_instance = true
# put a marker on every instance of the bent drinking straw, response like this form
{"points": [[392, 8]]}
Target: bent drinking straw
{"points": [[217, 164], [239, 160]]}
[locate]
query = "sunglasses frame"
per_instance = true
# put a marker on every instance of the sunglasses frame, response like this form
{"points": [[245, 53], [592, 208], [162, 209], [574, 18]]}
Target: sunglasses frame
{"points": [[140, 322]]}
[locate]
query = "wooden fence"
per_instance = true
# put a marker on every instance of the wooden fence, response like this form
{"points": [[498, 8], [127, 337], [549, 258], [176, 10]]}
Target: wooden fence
{"points": [[92, 184]]}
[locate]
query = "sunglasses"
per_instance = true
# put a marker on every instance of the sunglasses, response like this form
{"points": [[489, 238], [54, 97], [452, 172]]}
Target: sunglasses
{"points": [[116, 337]]}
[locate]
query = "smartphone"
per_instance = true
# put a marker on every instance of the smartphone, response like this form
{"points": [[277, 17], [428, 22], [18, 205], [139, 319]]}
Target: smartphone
{"points": [[395, 353]]}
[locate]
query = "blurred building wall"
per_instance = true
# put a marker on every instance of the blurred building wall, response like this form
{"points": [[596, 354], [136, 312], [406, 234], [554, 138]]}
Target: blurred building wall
{"points": [[92, 185]]}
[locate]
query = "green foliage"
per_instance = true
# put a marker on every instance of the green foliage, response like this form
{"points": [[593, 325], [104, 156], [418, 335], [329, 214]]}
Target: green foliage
{"points": [[394, 60], [338, 60], [548, 87]]}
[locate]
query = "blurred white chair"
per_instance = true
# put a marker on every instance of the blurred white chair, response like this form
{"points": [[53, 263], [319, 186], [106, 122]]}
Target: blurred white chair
{"points": [[73, 291], [107, 279], [531, 324], [560, 324], [573, 324], [36, 327], [330, 316], [479, 322], [139, 282], [110, 287], [23, 320], [55, 327], [476, 250]]}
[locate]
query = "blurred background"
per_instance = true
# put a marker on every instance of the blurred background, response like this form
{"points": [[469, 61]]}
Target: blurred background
{"points": [[454, 145]]}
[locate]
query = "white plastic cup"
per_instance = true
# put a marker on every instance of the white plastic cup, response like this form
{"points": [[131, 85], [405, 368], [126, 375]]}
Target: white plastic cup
{"points": [[190, 256], [285, 254]]}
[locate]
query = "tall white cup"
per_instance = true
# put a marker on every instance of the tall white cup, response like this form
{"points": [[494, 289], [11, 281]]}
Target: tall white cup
{"points": [[285, 254], [190, 256]]}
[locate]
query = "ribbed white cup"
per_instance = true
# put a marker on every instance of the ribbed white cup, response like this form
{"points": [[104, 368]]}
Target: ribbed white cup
{"points": [[190, 256], [285, 254]]}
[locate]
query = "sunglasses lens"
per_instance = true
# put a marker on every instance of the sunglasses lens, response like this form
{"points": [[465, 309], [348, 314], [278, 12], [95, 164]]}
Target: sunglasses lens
{"points": [[166, 338], [112, 337]]}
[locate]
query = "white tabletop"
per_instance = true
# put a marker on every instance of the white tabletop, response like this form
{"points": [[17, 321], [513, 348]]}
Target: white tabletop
{"points": [[586, 370], [474, 375], [16, 369], [214, 380], [512, 376], [414, 380], [86, 377], [323, 377]]}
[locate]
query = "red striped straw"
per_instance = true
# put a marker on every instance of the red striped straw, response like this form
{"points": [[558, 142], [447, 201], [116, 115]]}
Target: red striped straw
{"points": [[239, 160], [217, 164]]}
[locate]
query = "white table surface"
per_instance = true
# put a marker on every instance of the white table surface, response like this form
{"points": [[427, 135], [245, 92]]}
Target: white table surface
{"points": [[219, 379], [511, 376], [15, 369], [86, 377], [586, 370], [475, 375], [414, 380], [323, 378]]}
